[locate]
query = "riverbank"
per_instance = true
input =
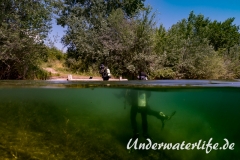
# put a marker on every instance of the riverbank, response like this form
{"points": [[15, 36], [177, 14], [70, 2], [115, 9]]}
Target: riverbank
{"points": [[58, 72]]}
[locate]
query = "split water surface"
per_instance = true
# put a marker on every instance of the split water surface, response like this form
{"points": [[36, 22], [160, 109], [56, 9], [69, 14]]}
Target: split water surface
{"points": [[91, 120]]}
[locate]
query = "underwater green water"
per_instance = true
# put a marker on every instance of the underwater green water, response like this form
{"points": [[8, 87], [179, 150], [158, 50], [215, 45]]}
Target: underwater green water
{"points": [[93, 122]]}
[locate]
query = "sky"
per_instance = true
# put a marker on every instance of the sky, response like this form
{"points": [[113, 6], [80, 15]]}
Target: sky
{"points": [[169, 12]]}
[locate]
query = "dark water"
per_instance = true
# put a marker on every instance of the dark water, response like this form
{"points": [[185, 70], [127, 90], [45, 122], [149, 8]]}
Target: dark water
{"points": [[63, 120]]}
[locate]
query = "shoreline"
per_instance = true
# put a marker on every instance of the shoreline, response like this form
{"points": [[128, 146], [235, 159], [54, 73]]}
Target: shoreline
{"points": [[82, 78]]}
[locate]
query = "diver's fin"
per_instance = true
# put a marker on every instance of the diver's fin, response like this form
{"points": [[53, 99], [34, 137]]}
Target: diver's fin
{"points": [[172, 115], [163, 124], [167, 118]]}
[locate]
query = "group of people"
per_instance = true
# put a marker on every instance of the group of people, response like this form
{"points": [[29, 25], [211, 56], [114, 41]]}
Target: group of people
{"points": [[106, 75]]}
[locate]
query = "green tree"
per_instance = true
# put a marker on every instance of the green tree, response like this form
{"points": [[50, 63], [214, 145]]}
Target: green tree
{"points": [[160, 39], [129, 43], [91, 31], [186, 52], [232, 61], [223, 34], [23, 26], [92, 10]]}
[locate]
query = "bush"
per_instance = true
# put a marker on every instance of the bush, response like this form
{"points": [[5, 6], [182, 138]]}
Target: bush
{"points": [[55, 54], [163, 73], [41, 74]]}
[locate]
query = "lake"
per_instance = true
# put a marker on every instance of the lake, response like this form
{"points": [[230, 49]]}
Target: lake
{"points": [[91, 120]]}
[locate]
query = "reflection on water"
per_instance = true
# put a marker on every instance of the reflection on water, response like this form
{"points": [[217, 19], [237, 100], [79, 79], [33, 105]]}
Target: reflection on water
{"points": [[71, 122]]}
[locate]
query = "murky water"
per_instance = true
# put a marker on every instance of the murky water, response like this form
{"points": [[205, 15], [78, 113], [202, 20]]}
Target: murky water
{"points": [[73, 120]]}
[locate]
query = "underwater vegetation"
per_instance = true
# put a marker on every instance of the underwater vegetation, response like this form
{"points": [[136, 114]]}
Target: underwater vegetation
{"points": [[86, 123]]}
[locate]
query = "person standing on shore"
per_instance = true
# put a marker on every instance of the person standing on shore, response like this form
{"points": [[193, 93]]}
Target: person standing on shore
{"points": [[105, 72], [142, 76]]}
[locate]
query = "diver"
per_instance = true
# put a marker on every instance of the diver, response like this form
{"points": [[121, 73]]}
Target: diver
{"points": [[105, 72], [142, 76], [138, 99]]}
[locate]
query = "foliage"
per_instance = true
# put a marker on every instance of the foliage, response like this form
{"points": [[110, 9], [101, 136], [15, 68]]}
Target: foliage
{"points": [[54, 54], [96, 32], [23, 26], [231, 58], [127, 42], [223, 34], [120, 34], [93, 11], [187, 50]]}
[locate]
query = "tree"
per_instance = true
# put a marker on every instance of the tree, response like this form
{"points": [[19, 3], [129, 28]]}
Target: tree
{"points": [[223, 34], [23, 26], [160, 39], [90, 25], [186, 53], [92, 10], [129, 43]]}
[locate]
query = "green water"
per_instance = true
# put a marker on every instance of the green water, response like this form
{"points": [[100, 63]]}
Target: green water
{"points": [[75, 122]]}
